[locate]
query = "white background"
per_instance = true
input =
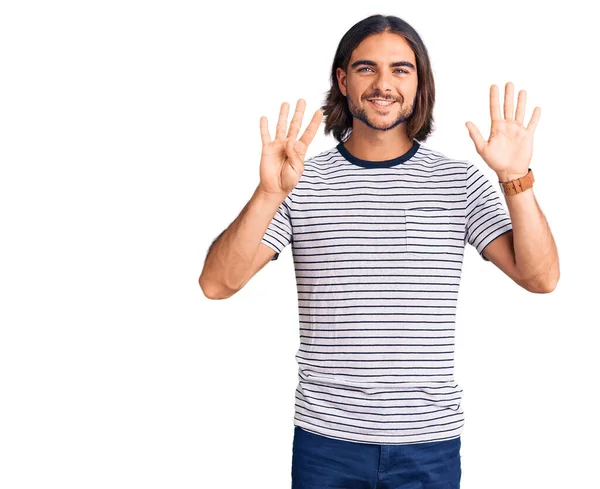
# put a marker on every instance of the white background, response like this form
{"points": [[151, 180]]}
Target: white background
{"points": [[129, 139]]}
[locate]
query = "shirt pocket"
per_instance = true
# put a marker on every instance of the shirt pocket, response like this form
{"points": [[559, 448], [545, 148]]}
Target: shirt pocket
{"points": [[428, 231]]}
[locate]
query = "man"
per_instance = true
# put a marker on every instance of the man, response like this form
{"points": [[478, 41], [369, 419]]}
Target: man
{"points": [[378, 225]]}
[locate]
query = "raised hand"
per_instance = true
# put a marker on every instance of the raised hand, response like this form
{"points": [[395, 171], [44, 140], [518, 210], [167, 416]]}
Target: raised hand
{"points": [[282, 159], [510, 147]]}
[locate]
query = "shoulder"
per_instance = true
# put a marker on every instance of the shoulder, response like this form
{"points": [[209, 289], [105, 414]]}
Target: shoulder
{"points": [[436, 159], [313, 169], [325, 157]]}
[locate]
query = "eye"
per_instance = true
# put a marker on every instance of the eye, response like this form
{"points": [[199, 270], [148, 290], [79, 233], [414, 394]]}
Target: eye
{"points": [[367, 68]]}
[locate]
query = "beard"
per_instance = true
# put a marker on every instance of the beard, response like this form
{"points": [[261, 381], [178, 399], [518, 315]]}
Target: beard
{"points": [[404, 113]]}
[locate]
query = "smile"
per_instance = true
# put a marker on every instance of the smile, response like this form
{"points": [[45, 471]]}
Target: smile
{"points": [[380, 104]]}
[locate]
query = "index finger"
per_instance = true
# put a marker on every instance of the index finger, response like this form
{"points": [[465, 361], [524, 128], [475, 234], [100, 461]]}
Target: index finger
{"points": [[311, 129], [297, 119]]}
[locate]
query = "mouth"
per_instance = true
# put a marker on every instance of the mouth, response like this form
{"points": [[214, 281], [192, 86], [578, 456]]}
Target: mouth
{"points": [[381, 104]]}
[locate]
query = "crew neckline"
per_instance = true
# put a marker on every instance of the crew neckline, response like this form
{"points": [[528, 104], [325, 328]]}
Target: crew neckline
{"points": [[378, 164]]}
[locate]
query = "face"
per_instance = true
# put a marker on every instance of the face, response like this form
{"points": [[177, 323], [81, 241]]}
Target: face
{"points": [[383, 66]]}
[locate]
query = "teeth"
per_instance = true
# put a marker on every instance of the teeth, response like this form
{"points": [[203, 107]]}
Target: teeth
{"points": [[380, 102]]}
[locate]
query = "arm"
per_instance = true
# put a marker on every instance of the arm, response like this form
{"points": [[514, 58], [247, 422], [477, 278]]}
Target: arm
{"points": [[238, 253], [230, 258], [527, 254]]}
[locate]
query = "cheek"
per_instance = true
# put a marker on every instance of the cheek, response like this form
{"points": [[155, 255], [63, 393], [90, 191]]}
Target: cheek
{"points": [[411, 90]]}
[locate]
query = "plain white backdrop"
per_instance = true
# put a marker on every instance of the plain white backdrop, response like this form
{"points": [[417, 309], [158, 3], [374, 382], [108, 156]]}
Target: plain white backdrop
{"points": [[129, 139]]}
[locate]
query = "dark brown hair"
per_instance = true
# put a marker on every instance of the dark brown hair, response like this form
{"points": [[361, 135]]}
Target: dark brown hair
{"points": [[336, 113]]}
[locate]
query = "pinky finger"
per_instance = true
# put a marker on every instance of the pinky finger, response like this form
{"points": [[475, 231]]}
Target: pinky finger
{"points": [[264, 131], [535, 117]]}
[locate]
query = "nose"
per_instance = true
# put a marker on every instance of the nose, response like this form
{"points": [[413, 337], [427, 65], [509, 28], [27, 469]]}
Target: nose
{"points": [[383, 82]]}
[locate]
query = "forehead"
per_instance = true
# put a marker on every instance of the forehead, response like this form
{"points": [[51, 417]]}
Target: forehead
{"points": [[384, 47]]}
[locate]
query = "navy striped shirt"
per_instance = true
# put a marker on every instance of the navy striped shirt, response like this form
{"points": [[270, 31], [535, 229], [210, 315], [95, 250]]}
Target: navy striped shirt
{"points": [[378, 250]]}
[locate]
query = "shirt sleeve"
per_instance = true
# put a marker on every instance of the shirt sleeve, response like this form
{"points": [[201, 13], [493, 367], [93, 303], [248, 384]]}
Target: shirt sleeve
{"points": [[486, 216], [279, 233]]}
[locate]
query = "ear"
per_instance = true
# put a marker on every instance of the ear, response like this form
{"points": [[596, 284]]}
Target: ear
{"points": [[341, 78]]}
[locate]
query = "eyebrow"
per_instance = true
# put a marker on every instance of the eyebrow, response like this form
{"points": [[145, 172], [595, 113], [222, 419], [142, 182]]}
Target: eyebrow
{"points": [[392, 65]]}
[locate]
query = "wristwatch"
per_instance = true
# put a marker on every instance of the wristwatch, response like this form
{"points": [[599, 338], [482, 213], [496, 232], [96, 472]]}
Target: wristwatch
{"points": [[518, 185]]}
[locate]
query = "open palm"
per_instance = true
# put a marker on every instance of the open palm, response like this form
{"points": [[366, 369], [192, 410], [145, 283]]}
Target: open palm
{"points": [[282, 159], [510, 146]]}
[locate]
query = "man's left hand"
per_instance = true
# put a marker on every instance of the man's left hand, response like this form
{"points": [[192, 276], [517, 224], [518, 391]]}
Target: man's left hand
{"points": [[510, 147]]}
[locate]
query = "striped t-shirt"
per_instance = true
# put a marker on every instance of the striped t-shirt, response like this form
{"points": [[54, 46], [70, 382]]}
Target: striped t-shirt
{"points": [[378, 250]]}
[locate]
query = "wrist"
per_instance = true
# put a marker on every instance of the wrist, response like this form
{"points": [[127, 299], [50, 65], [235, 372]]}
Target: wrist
{"points": [[269, 197], [504, 176], [516, 185]]}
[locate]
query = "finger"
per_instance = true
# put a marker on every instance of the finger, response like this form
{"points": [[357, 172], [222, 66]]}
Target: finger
{"points": [[537, 112], [297, 120], [295, 161], [311, 129], [509, 102], [520, 115], [264, 131], [494, 103], [282, 122], [476, 137]]}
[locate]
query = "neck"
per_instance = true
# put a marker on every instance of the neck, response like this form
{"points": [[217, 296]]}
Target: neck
{"points": [[374, 145]]}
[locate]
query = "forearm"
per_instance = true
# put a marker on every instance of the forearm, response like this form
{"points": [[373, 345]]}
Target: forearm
{"points": [[230, 257], [536, 256]]}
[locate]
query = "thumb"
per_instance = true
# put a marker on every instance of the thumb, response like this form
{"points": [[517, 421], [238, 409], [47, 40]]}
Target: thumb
{"points": [[476, 137]]}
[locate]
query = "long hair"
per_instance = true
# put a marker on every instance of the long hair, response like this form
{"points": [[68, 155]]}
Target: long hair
{"points": [[336, 113]]}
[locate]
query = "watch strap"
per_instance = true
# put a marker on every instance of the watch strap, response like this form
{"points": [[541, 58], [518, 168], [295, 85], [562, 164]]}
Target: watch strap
{"points": [[518, 185]]}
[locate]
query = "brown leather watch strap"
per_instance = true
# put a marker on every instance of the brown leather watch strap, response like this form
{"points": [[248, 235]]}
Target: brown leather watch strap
{"points": [[518, 185]]}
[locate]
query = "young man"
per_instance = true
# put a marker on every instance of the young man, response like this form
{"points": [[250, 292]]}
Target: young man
{"points": [[378, 226]]}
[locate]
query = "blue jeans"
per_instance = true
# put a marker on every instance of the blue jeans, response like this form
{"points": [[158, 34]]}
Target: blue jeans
{"points": [[320, 462]]}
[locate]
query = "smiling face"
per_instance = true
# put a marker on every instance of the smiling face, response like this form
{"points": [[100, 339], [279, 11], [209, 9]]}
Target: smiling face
{"points": [[382, 68]]}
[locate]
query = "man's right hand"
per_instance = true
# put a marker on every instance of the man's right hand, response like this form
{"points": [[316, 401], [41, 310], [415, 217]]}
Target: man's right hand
{"points": [[282, 159]]}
